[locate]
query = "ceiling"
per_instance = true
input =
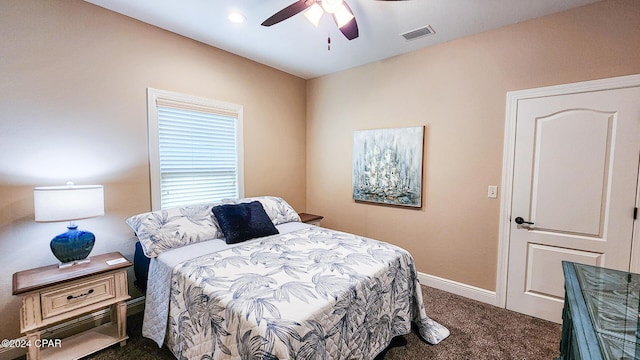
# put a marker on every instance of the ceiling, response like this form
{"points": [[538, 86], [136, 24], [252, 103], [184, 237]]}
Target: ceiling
{"points": [[297, 47]]}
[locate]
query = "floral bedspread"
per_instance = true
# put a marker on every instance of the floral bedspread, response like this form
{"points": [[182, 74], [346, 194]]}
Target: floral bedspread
{"points": [[309, 294]]}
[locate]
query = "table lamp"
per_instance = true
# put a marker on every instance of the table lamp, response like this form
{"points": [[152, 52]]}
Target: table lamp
{"points": [[68, 203]]}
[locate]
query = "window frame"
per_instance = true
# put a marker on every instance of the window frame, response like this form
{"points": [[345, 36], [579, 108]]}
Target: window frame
{"points": [[198, 104]]}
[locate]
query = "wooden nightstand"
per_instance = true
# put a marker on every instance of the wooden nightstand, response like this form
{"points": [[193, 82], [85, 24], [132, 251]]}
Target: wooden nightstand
{"points": [[51, 295], [311, 218]]}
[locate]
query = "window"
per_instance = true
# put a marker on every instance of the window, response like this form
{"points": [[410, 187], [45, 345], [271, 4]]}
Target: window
{"points": [[195, 149]]}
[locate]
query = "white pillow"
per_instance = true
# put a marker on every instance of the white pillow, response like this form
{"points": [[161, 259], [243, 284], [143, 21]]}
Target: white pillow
{"points": [[168, 229], [277, 208]]}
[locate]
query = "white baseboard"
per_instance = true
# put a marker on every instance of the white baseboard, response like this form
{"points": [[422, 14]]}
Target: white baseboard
{"points": [[457, 288], [61, 330]]}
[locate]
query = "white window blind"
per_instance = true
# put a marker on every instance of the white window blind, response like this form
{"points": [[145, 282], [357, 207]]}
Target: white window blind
{"points": [[198, 150]]}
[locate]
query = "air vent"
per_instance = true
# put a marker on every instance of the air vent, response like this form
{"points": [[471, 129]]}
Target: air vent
{"points": [[418, 33]]}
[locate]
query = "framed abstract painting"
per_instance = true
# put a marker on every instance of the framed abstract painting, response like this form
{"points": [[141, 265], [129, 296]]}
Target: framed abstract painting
{"points": [[387, 166]]}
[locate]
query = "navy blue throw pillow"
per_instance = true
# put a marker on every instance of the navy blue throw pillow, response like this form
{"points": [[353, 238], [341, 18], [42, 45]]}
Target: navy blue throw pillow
{"points": [[244, 221]]}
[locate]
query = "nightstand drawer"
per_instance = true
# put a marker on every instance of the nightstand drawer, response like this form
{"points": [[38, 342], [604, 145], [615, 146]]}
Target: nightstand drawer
{"points": [[77, 295]]}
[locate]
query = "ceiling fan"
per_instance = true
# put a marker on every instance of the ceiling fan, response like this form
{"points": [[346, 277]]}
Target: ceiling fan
{"points": [[314, 9]]}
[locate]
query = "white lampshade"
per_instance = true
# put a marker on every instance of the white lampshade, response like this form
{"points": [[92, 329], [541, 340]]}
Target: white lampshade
{"points": [[314, 14], [66, 203], [343, 16]]}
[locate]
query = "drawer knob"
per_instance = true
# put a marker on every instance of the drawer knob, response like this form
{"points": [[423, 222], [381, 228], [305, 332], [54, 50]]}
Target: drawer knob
{"points": [[71, 297]]}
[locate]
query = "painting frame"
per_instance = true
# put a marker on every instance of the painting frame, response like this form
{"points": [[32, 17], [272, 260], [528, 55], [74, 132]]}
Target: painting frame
{"points": [[388, 166]]}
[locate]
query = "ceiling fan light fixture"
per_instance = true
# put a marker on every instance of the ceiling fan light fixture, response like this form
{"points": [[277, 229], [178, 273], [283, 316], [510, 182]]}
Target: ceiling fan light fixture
{"points": [[343, 16], [314, 13], [331, 6]]}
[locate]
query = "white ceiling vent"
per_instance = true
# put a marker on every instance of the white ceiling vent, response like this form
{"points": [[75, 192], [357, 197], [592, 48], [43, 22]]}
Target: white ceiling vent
{"points": [[418, 33]]}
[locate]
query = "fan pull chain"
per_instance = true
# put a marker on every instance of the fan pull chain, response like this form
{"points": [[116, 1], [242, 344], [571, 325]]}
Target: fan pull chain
{"points": [[329, 42]]}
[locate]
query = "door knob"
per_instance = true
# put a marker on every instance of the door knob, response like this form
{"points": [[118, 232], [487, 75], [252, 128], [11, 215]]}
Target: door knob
{"points": [[521, 221]]}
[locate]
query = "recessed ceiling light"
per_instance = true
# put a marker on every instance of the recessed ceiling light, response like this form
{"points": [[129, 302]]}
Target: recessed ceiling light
{"points": [[236, 17]]}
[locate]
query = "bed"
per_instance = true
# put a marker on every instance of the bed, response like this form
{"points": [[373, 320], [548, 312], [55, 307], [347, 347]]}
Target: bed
{"points": [[301, 292]]}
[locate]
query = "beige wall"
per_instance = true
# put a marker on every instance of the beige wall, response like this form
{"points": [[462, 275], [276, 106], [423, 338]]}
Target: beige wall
{"points": [[72, 92], [458, 90], [73, 80]]}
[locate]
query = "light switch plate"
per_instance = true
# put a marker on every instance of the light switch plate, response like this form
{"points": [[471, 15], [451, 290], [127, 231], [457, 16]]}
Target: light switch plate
{"points": [[492, 192]]}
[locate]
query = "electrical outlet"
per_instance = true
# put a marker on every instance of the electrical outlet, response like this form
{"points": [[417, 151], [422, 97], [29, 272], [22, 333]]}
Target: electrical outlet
{"points": [[492, 192]]}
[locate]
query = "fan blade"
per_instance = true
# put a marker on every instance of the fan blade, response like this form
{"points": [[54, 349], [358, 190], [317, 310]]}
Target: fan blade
{"points": [[350, 30], [288, 12]]}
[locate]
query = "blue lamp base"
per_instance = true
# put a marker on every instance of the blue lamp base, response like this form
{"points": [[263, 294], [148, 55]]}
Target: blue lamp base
{"points": [[72, 247]]}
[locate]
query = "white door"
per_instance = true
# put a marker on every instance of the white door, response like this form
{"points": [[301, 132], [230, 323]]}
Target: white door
{"points": [[575, 179]]}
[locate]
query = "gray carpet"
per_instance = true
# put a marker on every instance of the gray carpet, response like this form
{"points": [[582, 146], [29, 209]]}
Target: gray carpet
{"points": [[481, 331], [478, 331]]}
